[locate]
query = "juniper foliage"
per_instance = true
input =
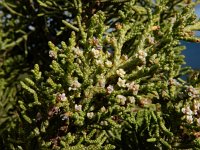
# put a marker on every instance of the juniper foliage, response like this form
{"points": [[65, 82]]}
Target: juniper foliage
{"points": [[114, 75]]}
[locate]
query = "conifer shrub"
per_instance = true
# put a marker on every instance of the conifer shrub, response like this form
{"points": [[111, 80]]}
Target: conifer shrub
{"points": [[106, 75]]}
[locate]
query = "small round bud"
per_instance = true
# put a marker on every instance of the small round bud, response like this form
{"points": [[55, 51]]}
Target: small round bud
{"points": [[52, 54], [90, 115], [121, 72], [118, 25], [121, 83], [155, 28], [110, 89], [122, 99], [108, 64], [78, 107], [95, 53]]}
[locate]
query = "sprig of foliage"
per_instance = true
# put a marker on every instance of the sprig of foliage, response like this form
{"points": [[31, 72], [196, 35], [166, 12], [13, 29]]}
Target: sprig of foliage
{"points": [[115, 83]]}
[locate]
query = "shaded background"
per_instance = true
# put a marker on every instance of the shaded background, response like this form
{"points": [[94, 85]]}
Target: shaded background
{"points": [[192, 52]]}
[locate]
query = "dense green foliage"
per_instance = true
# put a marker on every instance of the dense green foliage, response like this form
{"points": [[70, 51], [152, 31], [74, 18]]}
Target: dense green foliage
{"points": [[107, 75]]}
